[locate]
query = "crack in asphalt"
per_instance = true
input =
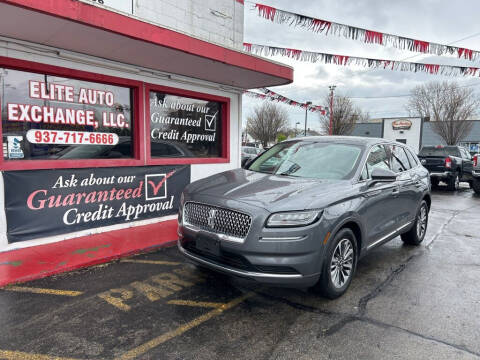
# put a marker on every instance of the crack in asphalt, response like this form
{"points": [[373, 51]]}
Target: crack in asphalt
{"points": [[442, 228], [425, 337], [363, 302]]}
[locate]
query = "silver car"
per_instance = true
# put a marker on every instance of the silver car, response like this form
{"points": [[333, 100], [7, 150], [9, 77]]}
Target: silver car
{"points": [[305, 211]]}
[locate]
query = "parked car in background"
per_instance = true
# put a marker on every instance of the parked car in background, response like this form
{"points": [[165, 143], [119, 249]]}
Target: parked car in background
{"points": [[450, 164], [305, 211], [476, 174], [248, 153]]}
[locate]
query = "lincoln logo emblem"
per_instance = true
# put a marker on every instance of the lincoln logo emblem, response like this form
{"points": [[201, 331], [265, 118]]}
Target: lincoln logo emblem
{"points": [[211, 218]]}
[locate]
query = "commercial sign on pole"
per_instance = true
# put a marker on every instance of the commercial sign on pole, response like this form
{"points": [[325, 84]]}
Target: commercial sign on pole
{"points": [[42, 203]]}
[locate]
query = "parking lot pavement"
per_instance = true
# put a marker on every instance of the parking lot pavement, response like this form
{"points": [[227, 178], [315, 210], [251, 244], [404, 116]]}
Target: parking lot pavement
{"points": [[404, 303]]}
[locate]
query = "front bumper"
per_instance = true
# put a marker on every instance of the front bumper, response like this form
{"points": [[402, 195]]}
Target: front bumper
{"points": [[296, 280], [287, 257]]}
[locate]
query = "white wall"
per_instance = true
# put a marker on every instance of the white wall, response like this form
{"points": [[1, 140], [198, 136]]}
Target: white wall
{"points": [[14, 49], [216, 21], [412, 135]]}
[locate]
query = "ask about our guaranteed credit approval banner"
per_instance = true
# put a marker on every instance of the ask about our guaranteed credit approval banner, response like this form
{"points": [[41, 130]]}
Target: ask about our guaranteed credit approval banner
{"points": [[42, 203]]}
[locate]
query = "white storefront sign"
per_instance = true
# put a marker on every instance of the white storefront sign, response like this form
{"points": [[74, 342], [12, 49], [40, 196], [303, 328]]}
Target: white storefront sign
{"points": [[405, 130]]}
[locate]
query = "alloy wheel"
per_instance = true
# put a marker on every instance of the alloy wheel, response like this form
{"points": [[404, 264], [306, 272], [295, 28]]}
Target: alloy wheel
{"points": [[341, 266], [422, 219]]}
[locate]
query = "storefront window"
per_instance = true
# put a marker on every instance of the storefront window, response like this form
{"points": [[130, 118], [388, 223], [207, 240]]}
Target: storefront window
{"points": [[184, 127], [46, 117]]}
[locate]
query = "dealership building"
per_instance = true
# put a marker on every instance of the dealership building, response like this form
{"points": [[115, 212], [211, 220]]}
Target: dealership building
{"points": [[415, 132], [109, 109]]}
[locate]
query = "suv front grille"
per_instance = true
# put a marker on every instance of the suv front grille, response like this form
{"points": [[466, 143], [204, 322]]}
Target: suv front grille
{"points": [[217, 220]]}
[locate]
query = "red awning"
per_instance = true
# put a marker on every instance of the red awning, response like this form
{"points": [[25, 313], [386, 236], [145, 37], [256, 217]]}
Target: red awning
{"points": [[88, 29]]}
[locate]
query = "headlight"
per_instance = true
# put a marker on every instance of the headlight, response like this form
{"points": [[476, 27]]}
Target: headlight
{"points": [[297, 218]]}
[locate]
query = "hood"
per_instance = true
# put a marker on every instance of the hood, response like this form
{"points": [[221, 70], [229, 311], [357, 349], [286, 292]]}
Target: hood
{"points": [[271, 192]]}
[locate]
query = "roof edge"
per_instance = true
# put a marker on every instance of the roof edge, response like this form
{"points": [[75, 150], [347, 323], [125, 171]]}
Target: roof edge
{"points": [[133, 27]]}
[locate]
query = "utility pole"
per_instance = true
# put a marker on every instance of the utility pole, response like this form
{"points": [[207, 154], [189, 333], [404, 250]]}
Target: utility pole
{"points": [[306, 112], [332, 89]]}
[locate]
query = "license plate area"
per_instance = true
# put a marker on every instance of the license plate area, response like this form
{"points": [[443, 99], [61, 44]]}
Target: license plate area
{"points": [[207, 244]]}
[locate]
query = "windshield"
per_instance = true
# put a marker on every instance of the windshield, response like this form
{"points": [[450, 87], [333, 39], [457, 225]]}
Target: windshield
{"points": [[249, 150], [317, 160], [439, 151]]}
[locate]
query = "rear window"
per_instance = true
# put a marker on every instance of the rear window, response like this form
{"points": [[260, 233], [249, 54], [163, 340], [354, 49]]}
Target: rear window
{"points": [[440, 151]]}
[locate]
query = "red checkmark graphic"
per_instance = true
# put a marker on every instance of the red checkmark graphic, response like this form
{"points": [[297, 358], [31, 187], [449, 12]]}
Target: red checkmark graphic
{"points": [[160, 184]]}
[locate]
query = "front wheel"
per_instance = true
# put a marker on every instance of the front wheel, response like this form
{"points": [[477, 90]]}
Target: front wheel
{"points": [[339, 265], [416, 234]]}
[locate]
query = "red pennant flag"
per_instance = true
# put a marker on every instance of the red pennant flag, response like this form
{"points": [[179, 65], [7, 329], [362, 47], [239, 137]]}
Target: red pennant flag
{"points": [[340, 59], [267, 12], [294, 53], [373, 37], [319, 25], [432, 68], [473, 70], [421, 46], [467, 53]]}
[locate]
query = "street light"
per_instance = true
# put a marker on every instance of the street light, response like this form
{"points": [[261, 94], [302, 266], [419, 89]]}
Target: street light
{"points": [[332, 89], [306, 112], [296, 132]]}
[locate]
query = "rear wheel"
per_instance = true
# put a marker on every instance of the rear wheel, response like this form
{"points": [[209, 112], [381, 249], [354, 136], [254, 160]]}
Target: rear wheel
{"points": [[416, 234], [454, 182], [476, 186], [339, 265]]}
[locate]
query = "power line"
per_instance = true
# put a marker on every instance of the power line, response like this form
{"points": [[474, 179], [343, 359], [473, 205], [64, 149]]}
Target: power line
{"points": [[401, 95]]}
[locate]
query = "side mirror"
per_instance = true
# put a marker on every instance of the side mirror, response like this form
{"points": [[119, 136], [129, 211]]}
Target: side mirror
{"points": [[380, 175]]}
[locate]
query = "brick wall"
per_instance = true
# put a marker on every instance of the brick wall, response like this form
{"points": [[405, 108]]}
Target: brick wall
{"points": [[217, 21]]}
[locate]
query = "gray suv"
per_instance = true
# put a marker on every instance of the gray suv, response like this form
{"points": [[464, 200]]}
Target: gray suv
{"points": [[305, 211]]}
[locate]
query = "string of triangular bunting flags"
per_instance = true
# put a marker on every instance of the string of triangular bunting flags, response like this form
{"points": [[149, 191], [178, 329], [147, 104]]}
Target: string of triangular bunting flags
{"points": [[310, 56], [273, 96], [360, 34]]}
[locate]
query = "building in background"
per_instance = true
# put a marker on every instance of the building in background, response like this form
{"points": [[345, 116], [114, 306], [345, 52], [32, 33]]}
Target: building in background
{"points": [[415, 132], [109, 109]]}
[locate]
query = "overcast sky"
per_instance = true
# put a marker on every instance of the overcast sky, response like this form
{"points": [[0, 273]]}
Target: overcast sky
{"points": [[445, 22]]}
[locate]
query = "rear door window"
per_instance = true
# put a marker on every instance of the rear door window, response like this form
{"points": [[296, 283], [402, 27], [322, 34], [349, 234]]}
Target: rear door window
{"points": [[412, 158]]}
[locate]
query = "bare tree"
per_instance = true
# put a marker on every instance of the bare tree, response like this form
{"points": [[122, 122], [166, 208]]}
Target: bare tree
{"points": [[448, 106], [266, 121], [345, 115]]}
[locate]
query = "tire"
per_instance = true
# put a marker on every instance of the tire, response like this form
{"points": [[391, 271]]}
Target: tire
{"points": [[434, 183], [454, 182], [331, 286], [476, 186], [416, 234]]}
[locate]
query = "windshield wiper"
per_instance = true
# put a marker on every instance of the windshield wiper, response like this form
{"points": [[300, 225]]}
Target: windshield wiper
{"points": [[292, 169]]}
